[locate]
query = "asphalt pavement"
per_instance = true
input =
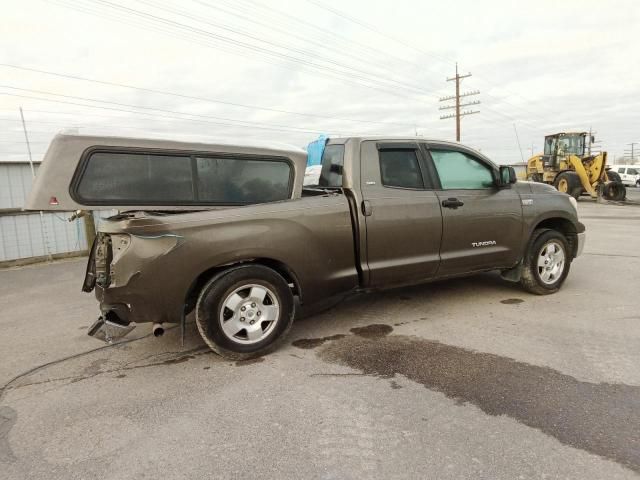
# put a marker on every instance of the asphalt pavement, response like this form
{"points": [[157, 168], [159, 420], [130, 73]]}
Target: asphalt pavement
{"points": [[470, 378]]}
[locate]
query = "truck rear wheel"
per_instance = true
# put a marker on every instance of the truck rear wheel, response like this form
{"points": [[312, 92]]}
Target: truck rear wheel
{"points": [[569, 183], [245, 312], [546, 262]]}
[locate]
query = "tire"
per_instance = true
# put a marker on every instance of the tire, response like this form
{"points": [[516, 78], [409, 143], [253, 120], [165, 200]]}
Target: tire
{"points": [[569, 183], [614, 191], [638, 184], [613, 176], [536, 177], [536, 277], [245, 312]]}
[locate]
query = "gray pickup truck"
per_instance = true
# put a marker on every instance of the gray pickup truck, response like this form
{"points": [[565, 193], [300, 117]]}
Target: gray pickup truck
{"points": [[231, 232]]}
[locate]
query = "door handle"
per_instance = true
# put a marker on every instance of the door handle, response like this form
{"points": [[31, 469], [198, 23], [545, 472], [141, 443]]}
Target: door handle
{"points": [[452, 203], [367, 209]]}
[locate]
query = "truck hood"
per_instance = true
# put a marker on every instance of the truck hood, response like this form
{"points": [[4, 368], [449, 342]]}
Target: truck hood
{"points": [[534, 187]]}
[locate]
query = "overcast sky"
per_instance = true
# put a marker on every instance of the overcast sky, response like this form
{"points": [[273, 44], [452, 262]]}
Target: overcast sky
{"points": [[272, 70]]}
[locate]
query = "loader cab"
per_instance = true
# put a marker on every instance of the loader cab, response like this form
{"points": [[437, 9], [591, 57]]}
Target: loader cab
{"points": [[563, 144]]}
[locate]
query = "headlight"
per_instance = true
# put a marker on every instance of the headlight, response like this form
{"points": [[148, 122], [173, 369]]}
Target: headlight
{"points": [[574, 202]]}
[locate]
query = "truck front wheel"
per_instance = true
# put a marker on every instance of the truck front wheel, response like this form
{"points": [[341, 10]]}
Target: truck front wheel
{"points": [[245, 312], [546, 262]]}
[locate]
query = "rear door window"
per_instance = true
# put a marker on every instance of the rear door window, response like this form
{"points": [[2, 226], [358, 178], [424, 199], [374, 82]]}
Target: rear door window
{"points": [[134, 178], [400, 168], [332, 166]]}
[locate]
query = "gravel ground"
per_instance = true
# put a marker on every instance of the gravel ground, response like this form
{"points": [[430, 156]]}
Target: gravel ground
{"points": [[470, 378]]}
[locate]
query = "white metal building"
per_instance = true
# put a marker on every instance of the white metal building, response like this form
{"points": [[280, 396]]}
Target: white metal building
{"points": [[25, 236]]}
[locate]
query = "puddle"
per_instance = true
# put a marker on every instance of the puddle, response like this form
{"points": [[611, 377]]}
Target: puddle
{"points": [[511, 301], [376, 330], [309, 343], [600, 418]]}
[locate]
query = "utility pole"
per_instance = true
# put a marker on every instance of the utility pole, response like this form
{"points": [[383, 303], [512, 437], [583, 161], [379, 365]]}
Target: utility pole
{"points": [[33, 175], [631, 152], [457, 106], [518, 140], [593, 146]]}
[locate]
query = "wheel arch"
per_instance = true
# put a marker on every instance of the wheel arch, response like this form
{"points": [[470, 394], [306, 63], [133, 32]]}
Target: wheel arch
{"points": [[561, 224], [278, 266]]}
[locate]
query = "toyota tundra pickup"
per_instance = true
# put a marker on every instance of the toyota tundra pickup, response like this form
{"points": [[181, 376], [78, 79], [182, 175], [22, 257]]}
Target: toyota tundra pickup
{"points": [[230, 232]]}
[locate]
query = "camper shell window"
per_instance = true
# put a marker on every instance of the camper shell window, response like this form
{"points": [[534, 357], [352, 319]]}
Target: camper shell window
{"points": [[179, 178]]}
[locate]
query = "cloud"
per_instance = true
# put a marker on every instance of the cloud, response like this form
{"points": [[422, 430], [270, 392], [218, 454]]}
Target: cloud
{"points": [[543, 67]]}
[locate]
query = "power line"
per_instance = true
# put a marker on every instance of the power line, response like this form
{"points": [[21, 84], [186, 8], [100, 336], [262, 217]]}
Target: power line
{"points": [[256, 125], [365, 48], [345, 72], [378, 31], [318, 70], [193, 97], [268, 42], [200, 31], [631, 152], [286, 31]]}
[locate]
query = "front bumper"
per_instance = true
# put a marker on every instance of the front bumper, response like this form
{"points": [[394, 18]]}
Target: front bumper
{"points": [[581, 239]]}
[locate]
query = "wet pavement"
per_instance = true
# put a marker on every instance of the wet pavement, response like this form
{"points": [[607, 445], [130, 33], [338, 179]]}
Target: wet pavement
{"points": [[601, 418], [471, 378]]}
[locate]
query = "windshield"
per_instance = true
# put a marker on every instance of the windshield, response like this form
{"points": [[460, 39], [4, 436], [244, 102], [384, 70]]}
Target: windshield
{"points": [[564, 145]]}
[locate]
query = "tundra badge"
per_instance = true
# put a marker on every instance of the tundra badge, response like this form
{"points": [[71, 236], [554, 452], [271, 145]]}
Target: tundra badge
{"points": [[483, 244]]}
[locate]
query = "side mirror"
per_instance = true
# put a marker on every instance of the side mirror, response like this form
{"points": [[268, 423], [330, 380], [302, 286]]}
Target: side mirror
{"points": [[507, 176]]}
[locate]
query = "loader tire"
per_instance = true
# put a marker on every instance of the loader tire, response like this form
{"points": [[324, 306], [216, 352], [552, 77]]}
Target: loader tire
{"points": [[613, 176], [569, 183], [535, 177], [546, 262], [614, 191]]}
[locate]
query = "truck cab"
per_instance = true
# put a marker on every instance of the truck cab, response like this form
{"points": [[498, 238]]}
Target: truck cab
{"points": [[426, 208]]}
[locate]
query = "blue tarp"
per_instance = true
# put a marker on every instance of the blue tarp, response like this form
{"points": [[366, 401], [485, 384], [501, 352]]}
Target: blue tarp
{"points": [[315, 150]]}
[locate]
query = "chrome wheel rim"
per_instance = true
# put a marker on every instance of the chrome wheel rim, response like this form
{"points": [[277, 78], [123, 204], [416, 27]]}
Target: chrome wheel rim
{"points": [[551, 262], [249, 313]]}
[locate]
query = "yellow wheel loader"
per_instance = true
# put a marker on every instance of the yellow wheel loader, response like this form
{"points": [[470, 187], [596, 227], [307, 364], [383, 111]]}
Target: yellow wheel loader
{"points": [[565, 165]]}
